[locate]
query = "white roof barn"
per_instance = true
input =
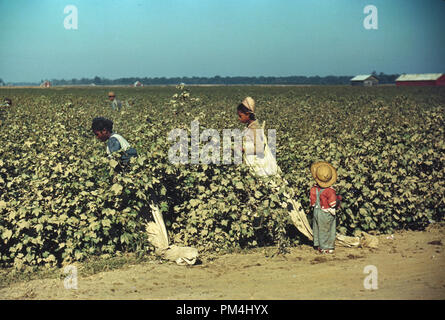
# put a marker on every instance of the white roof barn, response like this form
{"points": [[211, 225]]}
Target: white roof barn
{"points": [[361, 77], [364, 80]]}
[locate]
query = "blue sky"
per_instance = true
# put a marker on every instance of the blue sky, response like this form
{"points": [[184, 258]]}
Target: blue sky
{"points": [[167, 38]]}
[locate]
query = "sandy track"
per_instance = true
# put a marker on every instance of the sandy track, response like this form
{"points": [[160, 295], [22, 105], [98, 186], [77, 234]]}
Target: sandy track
{"points": [[408, 267]]}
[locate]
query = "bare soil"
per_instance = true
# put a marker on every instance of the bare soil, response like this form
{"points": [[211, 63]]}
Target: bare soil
{"points": [[411, 265]]}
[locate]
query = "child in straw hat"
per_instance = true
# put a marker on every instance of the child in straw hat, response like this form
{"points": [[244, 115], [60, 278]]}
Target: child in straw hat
{"points": [[324, 201]]}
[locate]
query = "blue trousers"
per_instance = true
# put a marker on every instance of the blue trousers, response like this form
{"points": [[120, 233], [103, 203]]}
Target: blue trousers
{"points": [[324, 229]]}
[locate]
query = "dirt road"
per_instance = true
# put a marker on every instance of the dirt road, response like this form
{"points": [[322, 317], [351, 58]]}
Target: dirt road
{"points": [[409, 266]]}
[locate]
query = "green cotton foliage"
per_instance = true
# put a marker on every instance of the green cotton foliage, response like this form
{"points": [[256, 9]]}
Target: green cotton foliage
{"points": [[63, 200]]}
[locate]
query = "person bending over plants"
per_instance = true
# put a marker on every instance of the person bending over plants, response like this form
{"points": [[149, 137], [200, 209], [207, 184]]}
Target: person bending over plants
{"points": [[103, 130]]}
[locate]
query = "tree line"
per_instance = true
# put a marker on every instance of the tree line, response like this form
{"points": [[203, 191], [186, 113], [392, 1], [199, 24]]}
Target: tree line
{"points": [[218, 80]]}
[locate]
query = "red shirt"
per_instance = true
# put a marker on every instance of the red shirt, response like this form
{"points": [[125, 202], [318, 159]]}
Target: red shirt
{"points": [[328, 198]]}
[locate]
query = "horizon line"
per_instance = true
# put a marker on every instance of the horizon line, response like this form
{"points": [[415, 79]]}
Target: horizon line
{"points": [[207, 77]]}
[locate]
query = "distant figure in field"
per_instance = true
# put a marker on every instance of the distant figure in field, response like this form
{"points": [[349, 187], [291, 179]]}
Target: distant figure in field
{"points": [[115, 103], [7, 102], [103, 130]]}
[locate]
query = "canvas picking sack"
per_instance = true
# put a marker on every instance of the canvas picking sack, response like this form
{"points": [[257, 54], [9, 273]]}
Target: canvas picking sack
{"points": [[157, 236]]}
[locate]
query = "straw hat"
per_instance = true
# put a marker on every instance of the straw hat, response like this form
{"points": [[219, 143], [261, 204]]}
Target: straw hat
{"points": [[324, 173], [249, 103], [111, 94]]}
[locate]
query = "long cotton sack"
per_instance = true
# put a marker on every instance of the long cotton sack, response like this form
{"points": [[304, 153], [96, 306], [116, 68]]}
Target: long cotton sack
{"points": [[157, 236]]}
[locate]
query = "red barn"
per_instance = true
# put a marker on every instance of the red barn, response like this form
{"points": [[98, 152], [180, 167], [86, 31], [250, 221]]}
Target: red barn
{"points": [[45, 84], [426, 79]]}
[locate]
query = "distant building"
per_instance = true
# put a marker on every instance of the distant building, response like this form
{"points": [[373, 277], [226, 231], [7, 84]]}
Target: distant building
{"points": [[424, 79], [366, 80], [138, 84], [45, 84]]}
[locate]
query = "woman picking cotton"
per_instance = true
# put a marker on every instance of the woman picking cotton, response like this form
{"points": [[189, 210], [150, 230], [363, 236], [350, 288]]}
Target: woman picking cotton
{"points": [[258, 157], [256, 152], [262, 162]]}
